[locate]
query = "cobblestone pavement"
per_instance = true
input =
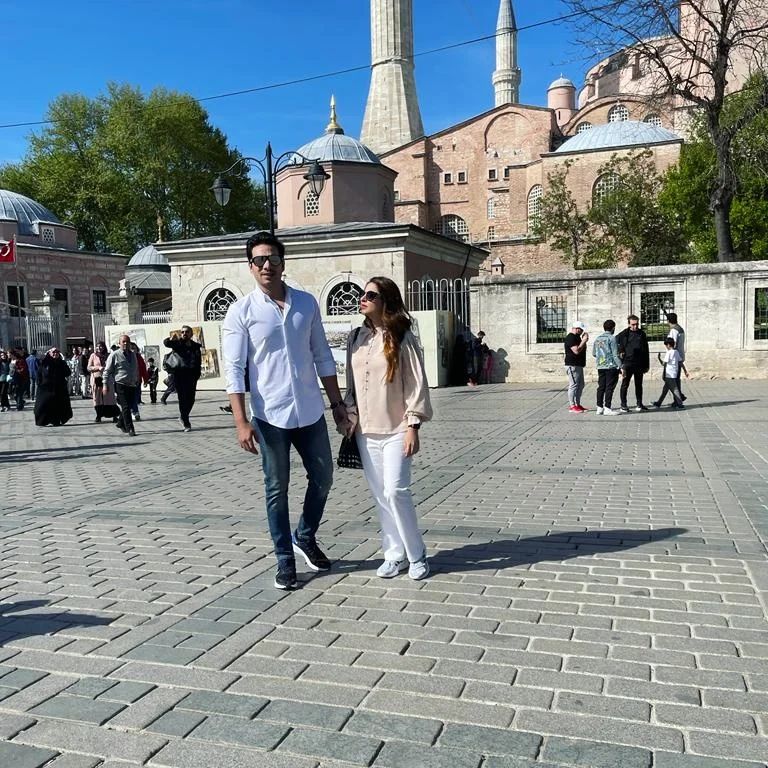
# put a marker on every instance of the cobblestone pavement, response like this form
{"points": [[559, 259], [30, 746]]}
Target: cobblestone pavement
{"points": [[598, 596]]}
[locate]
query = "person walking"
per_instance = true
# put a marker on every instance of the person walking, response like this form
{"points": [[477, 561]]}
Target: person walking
{"points": [[5, 381], [32, 363], [277, 333], [677, 334], [605, 350], [186, 373], [153, 375], [143, 377], [671, 374], [387, 401], [103, 398], [19, 377], [575, 360], [635, 362], [121, 376], [85, 379], [52, 405]]}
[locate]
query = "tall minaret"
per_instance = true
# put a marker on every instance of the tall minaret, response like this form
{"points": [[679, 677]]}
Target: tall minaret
{"points": [[506, 78], [392, 116]]}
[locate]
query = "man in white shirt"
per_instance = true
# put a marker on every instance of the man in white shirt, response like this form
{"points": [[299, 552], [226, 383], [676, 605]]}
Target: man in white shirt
{"points": [[677, 333], [277, 334]]}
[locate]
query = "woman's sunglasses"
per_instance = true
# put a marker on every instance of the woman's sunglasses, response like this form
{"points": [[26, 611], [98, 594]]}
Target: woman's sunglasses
{"points": [[370, 296]]}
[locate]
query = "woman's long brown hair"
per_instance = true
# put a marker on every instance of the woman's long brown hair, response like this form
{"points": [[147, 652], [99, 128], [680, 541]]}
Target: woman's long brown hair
{"points": [[395, 319]]}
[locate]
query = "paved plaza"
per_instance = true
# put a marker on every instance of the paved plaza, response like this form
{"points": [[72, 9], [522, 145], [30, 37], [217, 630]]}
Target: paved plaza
{"points": [[598, 597]]}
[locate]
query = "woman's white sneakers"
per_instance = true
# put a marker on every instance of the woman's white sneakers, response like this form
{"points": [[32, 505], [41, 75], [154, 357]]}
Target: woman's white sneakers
{"points": [[419, 570], [391, 568]]}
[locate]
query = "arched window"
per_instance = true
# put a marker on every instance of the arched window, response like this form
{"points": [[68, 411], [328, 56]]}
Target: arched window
{"points": [[311, 204], [534, 205], [605, 185], [653, 120], [344, 299], [490, 208], [583, 127], [618, 114], [217, 303], [453, 226]]}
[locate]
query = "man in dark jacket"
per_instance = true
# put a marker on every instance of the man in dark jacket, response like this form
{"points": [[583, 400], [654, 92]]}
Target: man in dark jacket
{"points": [[186, 373], [634, 354]]}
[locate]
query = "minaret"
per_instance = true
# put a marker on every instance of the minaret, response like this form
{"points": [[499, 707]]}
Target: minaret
{"points": [[506, 78], [392, 116]]}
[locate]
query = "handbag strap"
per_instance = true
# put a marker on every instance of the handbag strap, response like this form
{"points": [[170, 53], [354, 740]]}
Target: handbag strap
{"points": [[350, 377]]}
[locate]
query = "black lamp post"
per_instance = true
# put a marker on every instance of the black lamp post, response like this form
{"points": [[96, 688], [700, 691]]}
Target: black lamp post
{"points": [[270, 167]]}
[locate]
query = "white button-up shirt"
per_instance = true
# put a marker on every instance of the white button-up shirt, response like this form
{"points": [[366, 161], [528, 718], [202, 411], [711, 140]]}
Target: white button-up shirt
{"points": [[285, 352]]}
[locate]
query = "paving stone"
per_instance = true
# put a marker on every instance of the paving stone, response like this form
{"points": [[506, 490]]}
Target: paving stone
{"points": [[78, 708], [490, 740], [350, 748], [223, 703], [91, 686], [128, 693], [20, 756], [83, 761], [196, 754], [591, 754], [147, 709], [387, 727], [674, 760], [176, 723], [295, 712], [605, 706], [236, 730], [398, 754]]}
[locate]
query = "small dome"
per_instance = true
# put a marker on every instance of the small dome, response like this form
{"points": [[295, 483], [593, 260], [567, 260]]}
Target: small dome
{"points": [[334, 146], [25, 211], [148, 259], [628, 133], [561, 82]]}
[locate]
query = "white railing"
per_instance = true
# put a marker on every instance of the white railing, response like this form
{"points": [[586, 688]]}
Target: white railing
{"points": [[154, 318]]}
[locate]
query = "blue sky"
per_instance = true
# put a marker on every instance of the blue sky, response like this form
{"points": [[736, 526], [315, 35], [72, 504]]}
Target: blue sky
{"points": [[210, 47]]}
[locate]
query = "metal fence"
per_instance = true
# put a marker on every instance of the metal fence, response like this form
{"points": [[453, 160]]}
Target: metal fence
{"points": [[29, 331], [446, 294], [155, 318]]}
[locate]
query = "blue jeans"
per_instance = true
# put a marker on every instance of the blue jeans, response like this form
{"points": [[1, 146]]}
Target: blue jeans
{"points": [[314, 447]]}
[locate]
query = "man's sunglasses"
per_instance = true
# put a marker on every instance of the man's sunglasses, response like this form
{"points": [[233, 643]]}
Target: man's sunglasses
{"points": [[370, 296], [274, 259]]}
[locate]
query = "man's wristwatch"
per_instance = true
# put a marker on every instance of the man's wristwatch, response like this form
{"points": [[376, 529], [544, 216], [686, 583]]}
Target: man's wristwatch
{"points": [[335, 405], [415, 426]]}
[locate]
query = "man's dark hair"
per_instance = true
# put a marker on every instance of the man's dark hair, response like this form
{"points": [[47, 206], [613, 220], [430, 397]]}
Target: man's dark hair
{"points": [[630, 318], [609, 326], [264, 238], [672, 317]]}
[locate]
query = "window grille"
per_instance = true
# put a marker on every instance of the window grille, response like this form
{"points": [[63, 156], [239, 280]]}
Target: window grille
{"points": [[461, 177], [17, 300], [99, 302], [453, 226], [534, 205], [217, 303], [583, 127], [653, 120], [654, 308], [493, 174], [490, 208], [344, 299], [761, 313], [605, 185], [397, 195], [618, 114], [447, 178], [551, 319], [47, 235], [62, 294], [311, 204], [506, 173], [491, 233]]}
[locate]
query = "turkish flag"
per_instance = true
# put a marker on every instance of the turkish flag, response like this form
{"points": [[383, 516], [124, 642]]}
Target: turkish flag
{"points": [[8, 252]]}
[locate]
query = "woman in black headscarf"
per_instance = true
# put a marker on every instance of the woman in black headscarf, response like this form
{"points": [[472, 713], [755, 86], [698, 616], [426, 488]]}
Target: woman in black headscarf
{"points": [[52, 404]]}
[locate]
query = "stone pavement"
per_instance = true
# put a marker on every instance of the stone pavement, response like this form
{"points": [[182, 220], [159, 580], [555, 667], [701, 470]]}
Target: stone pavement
{"points": [[598, 597]]}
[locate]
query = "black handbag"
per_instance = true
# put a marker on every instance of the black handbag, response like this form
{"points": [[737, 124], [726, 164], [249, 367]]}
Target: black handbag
{"points": [[349, 454], [172, 361]]}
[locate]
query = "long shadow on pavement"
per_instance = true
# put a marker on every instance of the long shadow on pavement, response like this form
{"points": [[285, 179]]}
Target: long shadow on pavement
{"points": [[35, 624], [508, 553]]}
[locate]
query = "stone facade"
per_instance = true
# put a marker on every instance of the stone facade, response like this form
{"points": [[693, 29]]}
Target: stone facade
{"points": [[526, 317]]}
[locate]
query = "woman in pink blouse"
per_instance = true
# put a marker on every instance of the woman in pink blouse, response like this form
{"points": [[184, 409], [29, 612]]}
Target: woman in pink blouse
{"points": [[388, 400]]}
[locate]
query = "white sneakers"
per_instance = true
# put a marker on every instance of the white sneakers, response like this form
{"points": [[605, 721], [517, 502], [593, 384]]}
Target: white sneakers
{"points": [[391, 568], [599, 410], [606, 412]]}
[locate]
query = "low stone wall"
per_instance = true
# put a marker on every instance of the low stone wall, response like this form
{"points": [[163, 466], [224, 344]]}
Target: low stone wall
{"points": [[720, 306]]}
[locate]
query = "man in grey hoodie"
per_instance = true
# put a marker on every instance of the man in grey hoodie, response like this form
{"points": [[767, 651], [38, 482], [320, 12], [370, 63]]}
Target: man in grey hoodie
{"points": [[605, 350], [121, 374]]}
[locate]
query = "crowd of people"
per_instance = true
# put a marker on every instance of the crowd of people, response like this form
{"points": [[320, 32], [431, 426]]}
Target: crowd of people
{"points": [[626, 357]]}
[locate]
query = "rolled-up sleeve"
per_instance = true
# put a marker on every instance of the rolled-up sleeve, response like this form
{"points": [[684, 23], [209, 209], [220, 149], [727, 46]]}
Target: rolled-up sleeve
{"points": [[234, 349], [325, 365], [418, 407]]}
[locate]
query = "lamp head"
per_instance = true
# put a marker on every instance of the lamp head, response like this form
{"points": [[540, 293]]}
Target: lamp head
{"points": [[316, 176], [221, 189]]}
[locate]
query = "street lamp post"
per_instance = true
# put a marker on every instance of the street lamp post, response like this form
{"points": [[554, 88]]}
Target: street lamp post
{"points": [[270, 166]]}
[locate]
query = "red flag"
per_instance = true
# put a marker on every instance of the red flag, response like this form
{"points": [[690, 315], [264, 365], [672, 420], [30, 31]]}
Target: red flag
{"points": [[8, 252]]}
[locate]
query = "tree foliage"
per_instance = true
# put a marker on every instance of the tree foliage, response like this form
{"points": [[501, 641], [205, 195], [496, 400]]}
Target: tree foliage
{"points": [[626, 223], [128, 169], [691, 49]]}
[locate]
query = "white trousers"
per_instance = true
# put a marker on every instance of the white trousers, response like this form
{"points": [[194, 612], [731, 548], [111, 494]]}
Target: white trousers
{"points": [[388, 473]]}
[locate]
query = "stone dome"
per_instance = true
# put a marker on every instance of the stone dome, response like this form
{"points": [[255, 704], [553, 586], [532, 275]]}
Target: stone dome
{"points": [[334, 146], [561, 82], [25, 211], [628, 133], [148, 259]]}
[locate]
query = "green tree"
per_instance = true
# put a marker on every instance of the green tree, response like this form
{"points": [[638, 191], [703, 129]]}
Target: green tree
{"points": [[128, 169]]}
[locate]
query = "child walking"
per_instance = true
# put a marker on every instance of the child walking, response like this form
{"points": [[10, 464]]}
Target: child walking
{"points": [[153, 375], [672, 366]]}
